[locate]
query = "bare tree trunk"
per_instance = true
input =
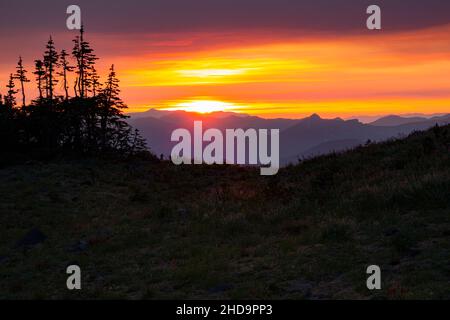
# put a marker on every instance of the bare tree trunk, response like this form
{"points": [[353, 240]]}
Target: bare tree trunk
{"points": [[23, 92], [65, 84]]}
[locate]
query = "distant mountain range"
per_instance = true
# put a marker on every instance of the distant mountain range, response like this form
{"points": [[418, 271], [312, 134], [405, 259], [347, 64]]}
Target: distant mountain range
{"points": [[373, 118], [299, 138], [393, 120]]}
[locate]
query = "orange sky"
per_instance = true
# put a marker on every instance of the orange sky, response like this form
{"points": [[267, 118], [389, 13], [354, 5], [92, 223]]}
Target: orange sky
{"points": [[275, 75], [358, 75]]}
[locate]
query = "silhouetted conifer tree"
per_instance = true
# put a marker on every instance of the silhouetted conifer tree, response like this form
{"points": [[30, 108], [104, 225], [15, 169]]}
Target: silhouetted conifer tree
{"points": [[51, 62], [111, 114], [10, 99], [66, 68], [7, 125], [82, 124], [21, 75], [85, 58], [40, 74], [137, 143], [95, 81]]}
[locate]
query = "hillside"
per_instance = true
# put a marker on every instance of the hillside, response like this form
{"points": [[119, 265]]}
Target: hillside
{"points": [[154, 230]]}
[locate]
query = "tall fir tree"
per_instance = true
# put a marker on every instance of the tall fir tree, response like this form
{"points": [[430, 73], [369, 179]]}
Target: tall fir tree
{"points": [[85, 57], [82, 124], [51, 62], [111, 114], [76, 53], [95, 82], [21, 75], [66, 68], [10, 98], [40, 75], [137, 143]]}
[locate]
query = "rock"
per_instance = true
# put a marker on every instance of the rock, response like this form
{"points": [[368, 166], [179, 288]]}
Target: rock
{"points": [[86, 183], [299, 286], [78, 246], [184, 214], [413, 252], [220, 288], [100, 237], [391, 232], [31, 238]]}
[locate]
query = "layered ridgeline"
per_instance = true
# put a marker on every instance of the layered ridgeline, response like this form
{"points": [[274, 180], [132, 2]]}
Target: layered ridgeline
{"points": [[154, 230], [299, 139]]}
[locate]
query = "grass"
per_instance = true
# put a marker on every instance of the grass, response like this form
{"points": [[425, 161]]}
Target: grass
{"points": [[158, 231]]}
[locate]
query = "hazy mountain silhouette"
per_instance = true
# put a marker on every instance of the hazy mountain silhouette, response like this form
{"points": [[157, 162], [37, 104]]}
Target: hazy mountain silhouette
{"points": [[299, 138], [394, 120], [154, 113], [369, 119], [314, 134]]}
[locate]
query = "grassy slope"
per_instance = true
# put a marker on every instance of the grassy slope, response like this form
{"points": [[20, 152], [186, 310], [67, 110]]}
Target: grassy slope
{"points": [[161, 231]]}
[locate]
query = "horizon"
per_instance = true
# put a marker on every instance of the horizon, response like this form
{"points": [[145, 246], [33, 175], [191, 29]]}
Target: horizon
{"points": [[363, 119]]}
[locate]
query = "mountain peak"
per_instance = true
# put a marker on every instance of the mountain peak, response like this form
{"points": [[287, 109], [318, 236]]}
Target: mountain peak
{"points": [[315, 116]]}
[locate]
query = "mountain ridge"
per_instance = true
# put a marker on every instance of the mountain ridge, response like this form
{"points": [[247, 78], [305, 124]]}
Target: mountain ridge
{"points": [[297, 136]]}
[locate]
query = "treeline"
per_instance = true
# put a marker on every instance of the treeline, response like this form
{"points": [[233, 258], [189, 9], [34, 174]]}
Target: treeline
{"points": [[86, 116]]}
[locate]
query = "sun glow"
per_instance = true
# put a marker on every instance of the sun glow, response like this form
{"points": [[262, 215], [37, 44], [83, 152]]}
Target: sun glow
{"points": [[203, 106], [205, 73], [292, 77]]}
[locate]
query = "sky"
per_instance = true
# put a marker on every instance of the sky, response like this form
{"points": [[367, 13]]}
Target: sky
{"points": [[273, 58]]}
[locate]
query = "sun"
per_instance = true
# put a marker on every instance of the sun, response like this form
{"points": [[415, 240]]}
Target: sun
{"points": [[205, 73], [203, 106]]}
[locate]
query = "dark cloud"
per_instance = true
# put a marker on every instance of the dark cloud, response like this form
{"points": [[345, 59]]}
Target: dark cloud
{"points": [[136, 16]]}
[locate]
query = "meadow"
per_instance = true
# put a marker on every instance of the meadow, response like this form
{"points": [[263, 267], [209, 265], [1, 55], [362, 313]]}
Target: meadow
{"points": [[142, 229]]}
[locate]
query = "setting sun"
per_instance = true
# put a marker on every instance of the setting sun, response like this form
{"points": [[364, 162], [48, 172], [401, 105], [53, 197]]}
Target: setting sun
{"points": [[203, 106], [204, 73]]}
